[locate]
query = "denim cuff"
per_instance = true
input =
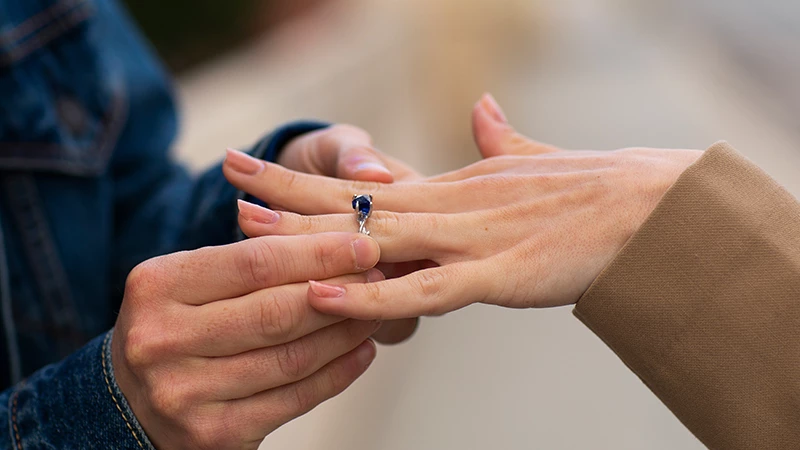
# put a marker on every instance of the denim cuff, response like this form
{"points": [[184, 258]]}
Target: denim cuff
{"points": [[75, 404]]}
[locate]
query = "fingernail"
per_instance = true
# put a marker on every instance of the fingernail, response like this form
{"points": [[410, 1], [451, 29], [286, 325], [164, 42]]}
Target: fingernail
{"points": [[377, 325], [375, 275], [490, 105], [367, 252], [243, 163], [365, 353], [326, 290], [257, 213], [371, 166]]}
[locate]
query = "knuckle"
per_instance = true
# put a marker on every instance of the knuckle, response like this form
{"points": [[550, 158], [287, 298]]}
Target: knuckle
{"points": [[289, 180], [143, 279], [374, 292], [306, 224], [302, 397], [386, 222], [294, 359], [324, 256], [167, 400], [430, 283], [277, 318], [138, 347], [256, 265]]}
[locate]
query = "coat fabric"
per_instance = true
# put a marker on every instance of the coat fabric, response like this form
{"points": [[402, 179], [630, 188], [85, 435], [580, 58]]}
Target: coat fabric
{"points": [[703, 304]]}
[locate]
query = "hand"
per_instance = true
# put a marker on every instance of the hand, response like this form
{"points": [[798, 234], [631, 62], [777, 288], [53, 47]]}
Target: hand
{"points": [[347, 152], [521, 231], [216, 348]]}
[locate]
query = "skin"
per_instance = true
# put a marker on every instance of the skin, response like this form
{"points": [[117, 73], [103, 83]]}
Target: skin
{"points": [[218, 347], [529, 226], [348, 153]]}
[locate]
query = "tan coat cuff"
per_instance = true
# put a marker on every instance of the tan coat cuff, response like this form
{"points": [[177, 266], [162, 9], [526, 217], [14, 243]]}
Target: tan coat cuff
{"points": [[703, 304]]}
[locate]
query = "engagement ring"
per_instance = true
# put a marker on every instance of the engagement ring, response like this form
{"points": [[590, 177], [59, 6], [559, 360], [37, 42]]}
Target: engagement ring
{"points": [[362, 204]]}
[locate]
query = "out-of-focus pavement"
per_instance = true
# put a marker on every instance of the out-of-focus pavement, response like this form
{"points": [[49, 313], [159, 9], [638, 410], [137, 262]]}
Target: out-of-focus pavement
{"points": [[580, 74]]}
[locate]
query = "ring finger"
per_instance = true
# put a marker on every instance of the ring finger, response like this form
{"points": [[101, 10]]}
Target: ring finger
{"points": [[401, 237]]}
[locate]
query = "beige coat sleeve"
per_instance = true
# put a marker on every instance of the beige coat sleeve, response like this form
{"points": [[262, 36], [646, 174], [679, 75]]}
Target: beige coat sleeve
{"points": [[703, 304]]}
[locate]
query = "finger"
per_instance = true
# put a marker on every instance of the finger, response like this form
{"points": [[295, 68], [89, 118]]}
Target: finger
{"points": [[427, 292], [269, 409], [392, 331], [401, 236], [315, 194], [343, 151], [265, 318], [249, 373], [396, 331], [361, 163], [215, 273], [495, 137]]}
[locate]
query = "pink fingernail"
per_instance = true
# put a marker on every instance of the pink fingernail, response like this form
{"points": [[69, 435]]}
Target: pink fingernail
{"points": [[243, 163], [257, 213], [490, 105], [371, 166], [323, 290]]}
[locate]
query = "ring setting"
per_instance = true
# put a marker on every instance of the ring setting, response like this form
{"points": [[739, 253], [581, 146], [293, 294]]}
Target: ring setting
{"points": [[362, 204]]}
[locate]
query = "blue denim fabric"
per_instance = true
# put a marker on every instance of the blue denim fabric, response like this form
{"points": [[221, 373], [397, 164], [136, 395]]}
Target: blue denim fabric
{"points": [[87, 191]]}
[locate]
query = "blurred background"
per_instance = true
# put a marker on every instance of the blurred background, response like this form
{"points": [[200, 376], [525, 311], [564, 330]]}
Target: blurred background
{"points": [[598, 74]]}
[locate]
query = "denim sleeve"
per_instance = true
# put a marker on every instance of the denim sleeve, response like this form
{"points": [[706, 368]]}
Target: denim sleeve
{"points": [[162, 208], [74, 404]]}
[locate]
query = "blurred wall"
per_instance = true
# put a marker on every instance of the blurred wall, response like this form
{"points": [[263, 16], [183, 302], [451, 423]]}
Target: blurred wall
{"points": [[581, 74]]}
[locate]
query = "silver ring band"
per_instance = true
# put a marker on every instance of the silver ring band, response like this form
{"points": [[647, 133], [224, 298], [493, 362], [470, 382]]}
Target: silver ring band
{"points": [[362, 204]]}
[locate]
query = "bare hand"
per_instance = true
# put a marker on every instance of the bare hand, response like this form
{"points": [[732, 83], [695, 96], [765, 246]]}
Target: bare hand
{"points": [[216, 348], [347, 152], [530, 230]]}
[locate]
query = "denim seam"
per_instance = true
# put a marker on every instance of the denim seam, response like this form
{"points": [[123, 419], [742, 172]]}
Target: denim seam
{"points": [[96, 156], [111, 392], [14, 401], [46, 265], [45, 35]]}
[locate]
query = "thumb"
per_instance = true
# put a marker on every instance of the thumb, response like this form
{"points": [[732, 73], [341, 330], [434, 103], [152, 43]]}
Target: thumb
{"points": [[362, 163], [346, 152], [495, 137]]}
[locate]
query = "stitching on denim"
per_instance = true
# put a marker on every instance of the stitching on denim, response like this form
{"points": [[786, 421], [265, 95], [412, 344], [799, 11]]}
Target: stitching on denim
{"points": [[112, 125], [38, 20], [14, 415], [42, 255], [111, 392], [45, 35]]}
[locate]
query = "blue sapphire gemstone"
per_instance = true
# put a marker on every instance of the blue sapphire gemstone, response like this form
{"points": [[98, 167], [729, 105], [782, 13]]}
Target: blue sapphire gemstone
{"points": [[363, 205]]}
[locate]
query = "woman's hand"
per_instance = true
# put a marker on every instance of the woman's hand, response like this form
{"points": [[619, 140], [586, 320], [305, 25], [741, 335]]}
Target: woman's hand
{"points": [[521, 231], [347, 152]]}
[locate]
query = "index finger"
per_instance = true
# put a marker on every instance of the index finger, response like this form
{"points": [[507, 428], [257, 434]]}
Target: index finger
{"points": [[215, 273], [315, 194]]}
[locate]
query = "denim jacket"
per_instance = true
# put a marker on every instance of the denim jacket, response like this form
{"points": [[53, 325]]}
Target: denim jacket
{"points": [[87, 191]]}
